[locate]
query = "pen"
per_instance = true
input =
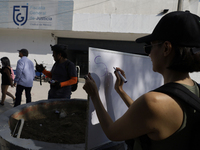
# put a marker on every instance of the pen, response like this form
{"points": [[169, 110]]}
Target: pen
{"points": [[121, 76]]}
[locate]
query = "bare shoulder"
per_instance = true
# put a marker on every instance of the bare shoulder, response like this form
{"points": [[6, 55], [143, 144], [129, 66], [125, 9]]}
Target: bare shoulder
{"points": [[155, 114], [166, 113], [160, 102]]}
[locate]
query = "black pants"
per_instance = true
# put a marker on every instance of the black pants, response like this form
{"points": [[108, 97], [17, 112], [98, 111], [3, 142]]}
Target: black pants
{"points": [[57, 93], [18, 94]]}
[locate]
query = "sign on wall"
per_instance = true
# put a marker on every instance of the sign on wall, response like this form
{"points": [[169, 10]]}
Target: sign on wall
{"points": [[55, 15]]}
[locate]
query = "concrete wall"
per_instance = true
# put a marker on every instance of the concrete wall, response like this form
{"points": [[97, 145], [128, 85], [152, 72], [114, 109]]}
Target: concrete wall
{"points": [[35, 41], [123, 20], [130, 16]]}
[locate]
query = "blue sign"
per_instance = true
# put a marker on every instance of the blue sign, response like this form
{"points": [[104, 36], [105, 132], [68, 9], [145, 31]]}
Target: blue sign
{"points": [[19, 18]]}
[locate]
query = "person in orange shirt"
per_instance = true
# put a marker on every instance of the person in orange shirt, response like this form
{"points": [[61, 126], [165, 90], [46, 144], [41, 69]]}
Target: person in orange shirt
{"points": [[63, 73]]}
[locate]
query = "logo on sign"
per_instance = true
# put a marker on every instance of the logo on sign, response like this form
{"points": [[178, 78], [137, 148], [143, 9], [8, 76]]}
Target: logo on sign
{"points": [[20, 15]]}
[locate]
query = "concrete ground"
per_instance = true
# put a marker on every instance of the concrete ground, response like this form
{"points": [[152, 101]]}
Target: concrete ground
{"points": [[40, 92]]}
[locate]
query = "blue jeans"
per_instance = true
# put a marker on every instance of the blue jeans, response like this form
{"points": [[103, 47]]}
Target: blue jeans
{"points": [[18, 94]]}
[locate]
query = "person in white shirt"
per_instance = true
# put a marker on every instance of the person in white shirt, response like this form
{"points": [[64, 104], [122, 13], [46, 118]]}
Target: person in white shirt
{"points": [[25, 74]]}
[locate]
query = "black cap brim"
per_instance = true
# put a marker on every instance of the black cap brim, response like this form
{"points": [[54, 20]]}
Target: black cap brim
{"points": [[145, 39]]}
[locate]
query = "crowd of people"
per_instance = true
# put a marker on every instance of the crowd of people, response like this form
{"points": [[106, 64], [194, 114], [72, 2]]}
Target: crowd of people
{"points": [[63, 74]]}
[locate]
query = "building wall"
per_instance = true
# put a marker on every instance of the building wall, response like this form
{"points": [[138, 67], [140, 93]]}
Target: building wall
{"points": [[121, 16], [36, 42], [107, 16], [115, 20]]}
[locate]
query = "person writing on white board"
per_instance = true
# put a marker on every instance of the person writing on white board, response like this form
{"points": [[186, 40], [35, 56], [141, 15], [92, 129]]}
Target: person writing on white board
{"points": [[158, 121]]}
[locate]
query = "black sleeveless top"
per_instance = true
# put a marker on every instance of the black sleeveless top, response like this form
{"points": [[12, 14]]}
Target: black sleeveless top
{"points": [[5, 78], [180, 139]]}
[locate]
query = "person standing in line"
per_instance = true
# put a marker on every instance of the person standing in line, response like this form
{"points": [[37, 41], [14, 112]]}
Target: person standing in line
{"points": [[6, 79], [25, 74]]}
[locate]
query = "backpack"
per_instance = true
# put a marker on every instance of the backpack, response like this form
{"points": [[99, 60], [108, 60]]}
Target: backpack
{"points": [[12, 73], [74, 86], [181, 92]]}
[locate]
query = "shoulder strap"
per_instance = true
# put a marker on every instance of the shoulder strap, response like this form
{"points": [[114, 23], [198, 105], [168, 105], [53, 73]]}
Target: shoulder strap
{"points": [[178, 90], [67, 65]]}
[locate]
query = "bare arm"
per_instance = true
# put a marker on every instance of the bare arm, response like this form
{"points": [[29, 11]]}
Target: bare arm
{"points": [[137, 121], [119, 88]]}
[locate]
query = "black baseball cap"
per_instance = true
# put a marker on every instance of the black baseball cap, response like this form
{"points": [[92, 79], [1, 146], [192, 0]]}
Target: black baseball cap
{"points": [[60, 48], [179, 27], [24, 52]]}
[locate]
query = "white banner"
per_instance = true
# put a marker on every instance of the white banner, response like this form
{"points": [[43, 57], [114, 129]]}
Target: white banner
{"points": [[56, 15]]}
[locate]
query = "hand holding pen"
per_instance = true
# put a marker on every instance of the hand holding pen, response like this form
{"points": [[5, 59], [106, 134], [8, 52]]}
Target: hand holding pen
{"points": [[121, 76]]}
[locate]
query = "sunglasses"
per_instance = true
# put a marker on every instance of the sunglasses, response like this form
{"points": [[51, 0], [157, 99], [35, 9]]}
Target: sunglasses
{"points": [[147, 48]]}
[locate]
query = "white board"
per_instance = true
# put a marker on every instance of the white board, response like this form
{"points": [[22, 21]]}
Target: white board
{"points": [[141, 79]]}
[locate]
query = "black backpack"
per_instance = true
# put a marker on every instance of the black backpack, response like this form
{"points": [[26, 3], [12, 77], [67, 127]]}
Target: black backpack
{"points": [[74, 86], [181, 92]]}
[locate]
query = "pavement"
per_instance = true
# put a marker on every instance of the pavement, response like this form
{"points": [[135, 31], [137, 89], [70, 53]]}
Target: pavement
{"points": [[40, 92]]}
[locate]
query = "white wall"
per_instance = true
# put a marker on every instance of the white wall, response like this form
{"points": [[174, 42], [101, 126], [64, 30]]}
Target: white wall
{"points": [[120, 16], [92, 19], [35, 41], [113, 16], [124, 16]]}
